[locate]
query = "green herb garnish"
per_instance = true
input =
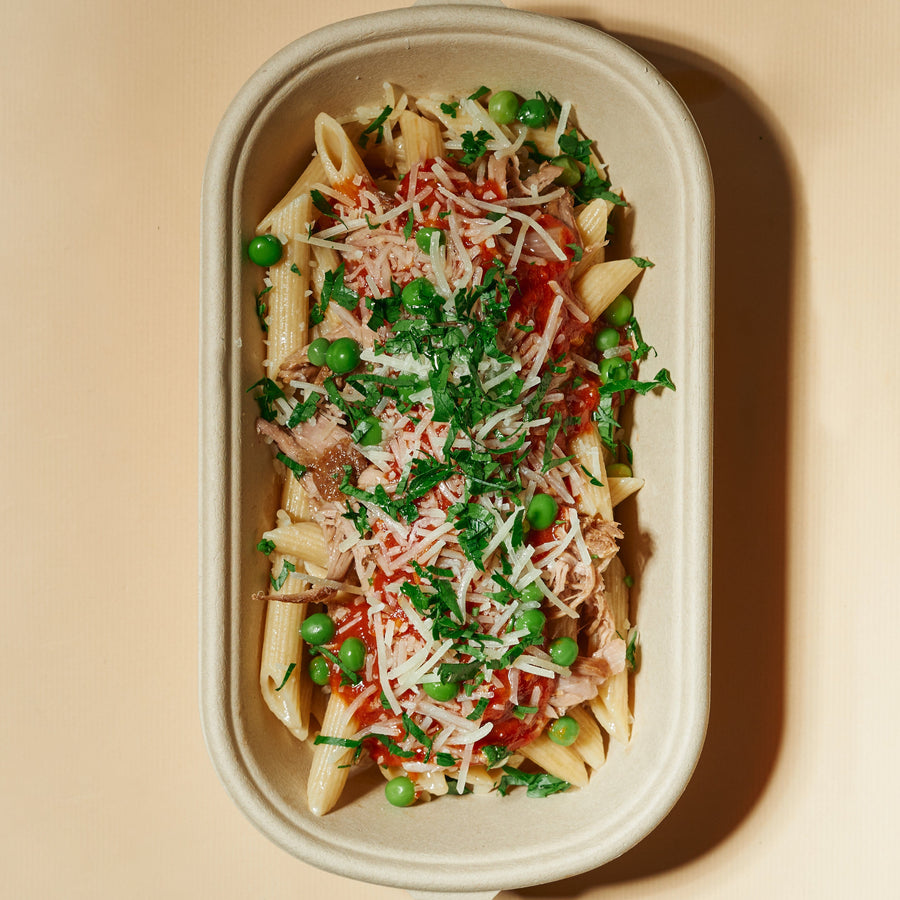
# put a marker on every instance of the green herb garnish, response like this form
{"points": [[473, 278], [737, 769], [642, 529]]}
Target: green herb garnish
{"points": [[377, 125], [295, 467], [474, 146], [539, 784], [286, 569], [287, 675]]}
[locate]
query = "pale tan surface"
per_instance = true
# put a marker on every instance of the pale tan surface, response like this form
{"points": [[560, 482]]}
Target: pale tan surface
{"points": [[107, 112]]}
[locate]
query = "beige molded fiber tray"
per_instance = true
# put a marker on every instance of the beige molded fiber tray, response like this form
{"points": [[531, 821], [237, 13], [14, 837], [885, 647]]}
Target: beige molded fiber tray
{"points": [[646, 135]]}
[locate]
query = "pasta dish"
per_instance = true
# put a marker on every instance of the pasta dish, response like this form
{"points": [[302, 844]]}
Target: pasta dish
{"points": [[447, 354]]}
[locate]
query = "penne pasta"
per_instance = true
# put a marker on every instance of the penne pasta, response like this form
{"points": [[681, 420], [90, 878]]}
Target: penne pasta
{"points": [[603, 282], [595, 497], [303, 540], [288, 319], [455, 122], [421, 139], [563, 762], [622, 488], [324, 260], [331, 762], [286, 693], [592, 220], [295, 500], [339, 158], [589, 745]]}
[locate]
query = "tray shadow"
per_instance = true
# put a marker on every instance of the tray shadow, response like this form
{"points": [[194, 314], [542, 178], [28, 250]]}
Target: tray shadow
{"points": [[755, 236]]}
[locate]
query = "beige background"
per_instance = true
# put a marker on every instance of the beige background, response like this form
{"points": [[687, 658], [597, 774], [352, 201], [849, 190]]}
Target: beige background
{"points": [[107, 112]]}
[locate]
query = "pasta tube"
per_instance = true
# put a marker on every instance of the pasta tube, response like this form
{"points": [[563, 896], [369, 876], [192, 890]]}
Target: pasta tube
{"points": [[603, 282]]}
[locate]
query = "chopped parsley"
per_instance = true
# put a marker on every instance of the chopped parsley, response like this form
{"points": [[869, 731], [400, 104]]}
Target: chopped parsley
{"points": [[631, 651], [286, 569], [539, 784], [304, 411], [376, 126], [298, 470], [333, 288], [323, 205], [349, 676], [474, 145], [262, 308], [287, 675], [269, 393], [350, 743], [495, 754]]}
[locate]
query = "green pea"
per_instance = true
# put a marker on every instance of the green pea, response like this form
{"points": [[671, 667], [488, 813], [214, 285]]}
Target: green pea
{"points": [[564, 731], [619, 470], [532, 620], [316, 351], [342, 356], [418, 295], [317, 629], [400, 791], [503, 106], [570, 175], [613, 369], [531, 593], [606, 339], [534, 113], [619, 311], [373, 436], [423, 238], [318, 670], [541, 512], [563, 651], [264, 250], [353, 654], [437, 690]]}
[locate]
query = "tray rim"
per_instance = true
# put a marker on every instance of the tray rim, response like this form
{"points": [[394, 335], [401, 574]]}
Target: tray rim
{"points": [[217, 424]]}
